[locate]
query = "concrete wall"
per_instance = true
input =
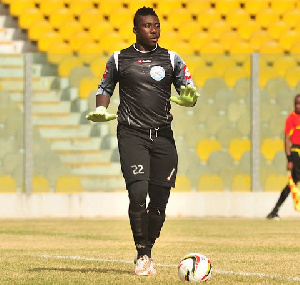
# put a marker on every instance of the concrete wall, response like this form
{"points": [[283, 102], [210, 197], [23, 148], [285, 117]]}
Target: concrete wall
{"points": [[115, 205]]}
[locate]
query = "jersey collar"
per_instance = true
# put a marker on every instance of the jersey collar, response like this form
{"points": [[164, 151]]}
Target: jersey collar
{"points": [[144, 51]]}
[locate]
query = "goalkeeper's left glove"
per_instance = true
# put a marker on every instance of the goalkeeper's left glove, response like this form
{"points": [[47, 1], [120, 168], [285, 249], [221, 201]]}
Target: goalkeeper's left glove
{"points": [[101, 115], [188, 96]]}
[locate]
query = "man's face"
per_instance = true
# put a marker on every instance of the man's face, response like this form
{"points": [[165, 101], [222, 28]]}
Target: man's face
{"points": [[297, 104], [147, 31]]}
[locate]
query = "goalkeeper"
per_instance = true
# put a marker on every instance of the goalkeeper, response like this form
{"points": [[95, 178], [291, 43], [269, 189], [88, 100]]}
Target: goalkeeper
{"points": [[145, 72]]}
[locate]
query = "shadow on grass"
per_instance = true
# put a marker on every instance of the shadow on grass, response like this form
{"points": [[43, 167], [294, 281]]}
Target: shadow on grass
{"points": [[81, 270]]}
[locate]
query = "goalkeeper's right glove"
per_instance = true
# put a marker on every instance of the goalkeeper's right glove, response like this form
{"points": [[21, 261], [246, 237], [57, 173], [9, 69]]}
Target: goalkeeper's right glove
{"points": [[101, 115]]}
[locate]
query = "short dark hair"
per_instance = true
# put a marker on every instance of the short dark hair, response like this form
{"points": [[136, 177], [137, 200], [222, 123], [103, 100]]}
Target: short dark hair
{"points": [[145, 11]]}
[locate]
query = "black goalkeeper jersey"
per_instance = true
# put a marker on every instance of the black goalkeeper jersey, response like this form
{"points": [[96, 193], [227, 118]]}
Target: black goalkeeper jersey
{"points": [[145, 80]]}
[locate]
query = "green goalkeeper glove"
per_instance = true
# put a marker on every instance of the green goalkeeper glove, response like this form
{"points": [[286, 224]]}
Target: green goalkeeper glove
{"points": [[101, 115], [188, 96]]}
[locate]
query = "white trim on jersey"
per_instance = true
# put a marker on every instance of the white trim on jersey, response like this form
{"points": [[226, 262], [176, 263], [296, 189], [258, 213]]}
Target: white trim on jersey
{"points": [[172, 58], [116, 57]]}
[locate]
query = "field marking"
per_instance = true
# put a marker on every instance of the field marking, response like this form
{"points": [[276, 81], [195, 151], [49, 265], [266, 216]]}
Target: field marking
{"points": [[227, 272]]}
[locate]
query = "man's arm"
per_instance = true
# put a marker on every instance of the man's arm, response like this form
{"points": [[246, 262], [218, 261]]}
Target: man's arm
{"points": [[287, 147]]}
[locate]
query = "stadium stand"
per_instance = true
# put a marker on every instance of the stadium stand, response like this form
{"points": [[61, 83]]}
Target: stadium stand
{"points": [[210, 183], [241, 183]]}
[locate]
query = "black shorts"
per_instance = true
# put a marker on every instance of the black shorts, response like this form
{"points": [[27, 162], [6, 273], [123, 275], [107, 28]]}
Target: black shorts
{"points": [[148, 155]]}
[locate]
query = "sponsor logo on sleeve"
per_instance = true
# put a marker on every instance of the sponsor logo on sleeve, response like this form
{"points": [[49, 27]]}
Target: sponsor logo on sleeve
{"points": [[187, 73], [105, 72]]}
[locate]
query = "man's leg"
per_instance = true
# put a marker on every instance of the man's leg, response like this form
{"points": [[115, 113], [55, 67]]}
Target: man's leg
{"points": [[283, 195], [159, 196]]}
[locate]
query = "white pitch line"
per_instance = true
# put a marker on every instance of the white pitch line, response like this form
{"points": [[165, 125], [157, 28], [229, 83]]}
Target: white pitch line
{"points": [[227, 272]]}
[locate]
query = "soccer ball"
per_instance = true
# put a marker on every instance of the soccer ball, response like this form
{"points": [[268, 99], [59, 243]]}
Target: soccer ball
{"points": [[194, 267]]}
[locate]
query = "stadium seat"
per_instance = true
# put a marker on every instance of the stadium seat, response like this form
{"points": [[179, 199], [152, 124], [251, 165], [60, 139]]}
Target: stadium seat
{"points": [[69, 28], [267, 73], [211, 50], [224, 6], [222, 99], [241, 183], [279, 162], [217, 28], [232, 74], [58, 52], [237, 16], [90, 16], [225, 135], [99, 28], [266, 16], [187, 29], [78, 39], [211, 86], [288, 38], [270, 146], [47, 39], [77, 6], [97, 65], [65, 66], [199, 39], [126, 32], [292, 75], [206, 146], [47, 7], [164, 8], [178, 16], [60, 16], [222, 62], [276, 28], [295, 51], [111, 42], [273, 87], [254, 6], [169, 39], [135, 5], [244, 125], [198, 6], [16, 7], [87, 84], [219, 160], [257, 38], [240, 50], [28, 17], [242, 87], [291, 17], [207, 17], [283, 5], [235, 111], [237, 147], [7, 184], [247, 28], [210, 183], [202, 73], [271, 49], [228, 39], [68, 184], [183, 184], [283, 62], [120, 16], [89, 51], [275, 182], [40, 184], [77, 73], [39, 28]]}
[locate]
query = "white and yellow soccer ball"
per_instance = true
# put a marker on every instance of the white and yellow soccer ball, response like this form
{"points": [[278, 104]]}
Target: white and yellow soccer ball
{"points": [[194, 267]]}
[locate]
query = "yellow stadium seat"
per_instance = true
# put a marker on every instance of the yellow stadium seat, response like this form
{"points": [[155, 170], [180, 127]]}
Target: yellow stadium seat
{"points": [[60, 16], [266, 16], [276, 28], [221, 63], [236, 16], [65, 66], [232, 74], [283, 62], [40, 184], [7, 184], [271, 49], [270, 146], [28, 17], [198, 6], [16, 7], [135, 5], [202, 73], [89, 51], [99, 28], [275, 182], [257, 38], [266, 73], [68, 28], [183, 48], [188, 29], [217, 28], [58, 52], [120, 16], [164, 7], [168, 39], [97, 65], [292, 75], [77, 6], [199, 39], [87, 84], [182, 184], [206, 146], [211, 183], [282, 5], [288, 38], [178, 16], [224, 6], [241, 183], [68, 184], [295, 51], [291, 17], [78, 39], [254, 6], [237, 147], [111, 42], [106, 7], [47, 39], [241, 48], [116, 46], [212, 50], [207, 17], [247, 28], [126, 32], [38, 28], [229, 38], [193, 62], [46, 7]]}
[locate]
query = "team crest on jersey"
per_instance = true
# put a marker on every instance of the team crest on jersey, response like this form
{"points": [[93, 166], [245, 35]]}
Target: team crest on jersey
{"points": [[187, 73], [157, 72]]}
